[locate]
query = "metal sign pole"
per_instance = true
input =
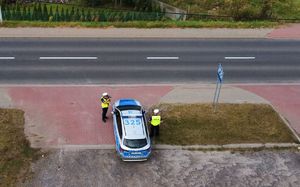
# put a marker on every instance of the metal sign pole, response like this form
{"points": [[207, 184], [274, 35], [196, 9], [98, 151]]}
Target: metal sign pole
{"points": [[219, 92], [214, 101], [217, 97], [220, 74]]}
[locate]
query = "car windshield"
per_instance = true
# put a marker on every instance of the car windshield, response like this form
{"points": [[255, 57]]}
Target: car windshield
{"points": [[136, 143], [129, 107]]}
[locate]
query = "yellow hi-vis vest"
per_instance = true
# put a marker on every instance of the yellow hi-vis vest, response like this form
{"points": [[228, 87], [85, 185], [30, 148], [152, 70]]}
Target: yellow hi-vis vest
{"points": [[104, 102], [155, 121]]}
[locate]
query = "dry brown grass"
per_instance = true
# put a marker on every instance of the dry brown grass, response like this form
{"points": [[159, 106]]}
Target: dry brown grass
{"points": [[15, 150], [232, 123]]}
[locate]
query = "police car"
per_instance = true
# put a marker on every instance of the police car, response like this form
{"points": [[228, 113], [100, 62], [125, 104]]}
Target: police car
{"points": [[130, 130]]}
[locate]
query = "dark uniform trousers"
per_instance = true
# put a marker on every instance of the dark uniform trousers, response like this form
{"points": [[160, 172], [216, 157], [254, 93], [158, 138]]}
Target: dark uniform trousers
{"points": [[154, 130], [104, 112]]}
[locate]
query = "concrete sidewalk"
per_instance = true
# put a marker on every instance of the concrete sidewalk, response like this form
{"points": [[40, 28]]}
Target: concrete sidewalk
{"points": [[289, 31], [204, 93], [134, 33]]}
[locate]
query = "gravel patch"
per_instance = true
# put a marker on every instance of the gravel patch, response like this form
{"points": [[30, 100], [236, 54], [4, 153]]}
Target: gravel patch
{"points": [[168, 168]]}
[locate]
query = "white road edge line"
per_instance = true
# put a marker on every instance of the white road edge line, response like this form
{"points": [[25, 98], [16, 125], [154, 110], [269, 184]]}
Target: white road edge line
{"points": [[163, 58], [239, 58], [7, 58], [68, 58]]}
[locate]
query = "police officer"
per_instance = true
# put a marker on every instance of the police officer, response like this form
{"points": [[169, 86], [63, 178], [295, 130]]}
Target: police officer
{"points": [[155, 121], [105, 101]]}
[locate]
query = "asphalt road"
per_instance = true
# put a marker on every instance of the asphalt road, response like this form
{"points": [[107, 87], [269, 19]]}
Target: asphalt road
{"points": [[117, 61]]}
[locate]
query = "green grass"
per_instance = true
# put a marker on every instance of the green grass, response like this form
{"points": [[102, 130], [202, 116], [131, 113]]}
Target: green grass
{"points": [[105, 6], [145, 24], [69, 7], [54, 12], [232, 123], [285, 9], [15, 151]]}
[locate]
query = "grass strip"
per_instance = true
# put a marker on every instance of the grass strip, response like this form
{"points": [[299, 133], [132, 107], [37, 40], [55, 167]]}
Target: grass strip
{"points": [[15, 151], [193, 124], [146, 24]]}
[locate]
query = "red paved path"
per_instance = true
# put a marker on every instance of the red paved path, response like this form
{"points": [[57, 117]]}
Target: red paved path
{"points": [[71, 115], [288, 31], [285, 98]]}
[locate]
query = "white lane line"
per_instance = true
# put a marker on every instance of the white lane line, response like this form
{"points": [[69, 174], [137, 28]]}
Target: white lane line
{"points": [[163, 58], [7, 58], [239, 58], [68, 58]]}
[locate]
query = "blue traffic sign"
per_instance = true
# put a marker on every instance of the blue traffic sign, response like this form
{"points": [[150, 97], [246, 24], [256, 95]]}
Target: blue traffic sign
{"points": [[220, 73]]}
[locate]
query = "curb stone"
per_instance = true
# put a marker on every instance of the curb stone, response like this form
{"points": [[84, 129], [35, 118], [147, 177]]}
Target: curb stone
{"points": [[227, 146], [179, 147]]}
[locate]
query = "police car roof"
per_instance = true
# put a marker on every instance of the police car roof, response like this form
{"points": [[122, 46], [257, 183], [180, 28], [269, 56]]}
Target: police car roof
{"points": [[133, 123], [133, 132]]}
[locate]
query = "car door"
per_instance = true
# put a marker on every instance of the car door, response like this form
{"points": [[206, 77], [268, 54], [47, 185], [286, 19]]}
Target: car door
{"points": [[117, 128]]}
